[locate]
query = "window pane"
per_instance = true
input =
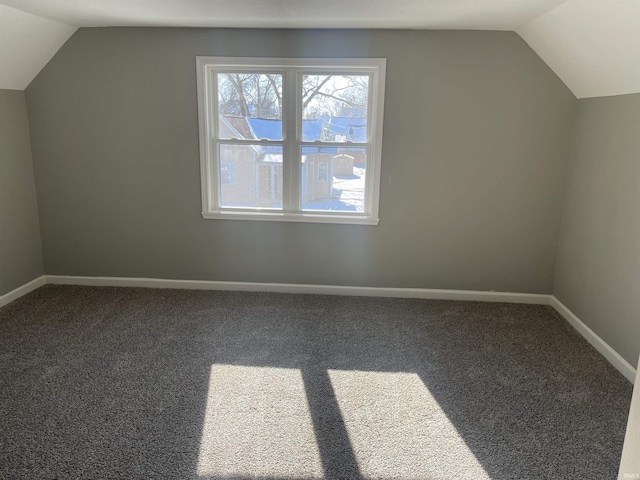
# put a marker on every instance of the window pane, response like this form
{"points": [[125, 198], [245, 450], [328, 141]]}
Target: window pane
{"points": [[250, 105], [227, 173], [334, 108], [250, 176], [333, 179]]}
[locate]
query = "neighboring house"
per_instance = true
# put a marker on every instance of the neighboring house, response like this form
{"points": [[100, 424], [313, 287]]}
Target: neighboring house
{"points": [[251, 175], [339, 161]]}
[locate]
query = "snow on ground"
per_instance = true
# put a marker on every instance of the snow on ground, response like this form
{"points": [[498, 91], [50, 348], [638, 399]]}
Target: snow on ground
{"points": [[348, 194]]}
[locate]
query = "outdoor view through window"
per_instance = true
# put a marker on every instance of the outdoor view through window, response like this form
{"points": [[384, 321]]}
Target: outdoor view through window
{"points": [[273, 125]]}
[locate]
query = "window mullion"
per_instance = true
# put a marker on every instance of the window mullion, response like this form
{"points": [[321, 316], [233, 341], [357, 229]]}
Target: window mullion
{"points": [[241, 141], [369, 179], [214, 160], [290, 164]]}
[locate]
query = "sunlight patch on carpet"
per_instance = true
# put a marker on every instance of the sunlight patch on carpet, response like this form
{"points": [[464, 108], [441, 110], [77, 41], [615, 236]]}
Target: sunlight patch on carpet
{"points": [[257, 423], [398, 430]]}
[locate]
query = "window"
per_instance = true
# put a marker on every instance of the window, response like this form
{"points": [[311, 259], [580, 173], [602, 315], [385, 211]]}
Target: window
{"points": [[291, 139], [227, 173], [323, 172]]}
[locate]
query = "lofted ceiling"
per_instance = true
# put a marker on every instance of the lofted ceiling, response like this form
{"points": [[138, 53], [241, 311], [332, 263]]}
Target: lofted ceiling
{"points": [[592, 45], [442, 14], [27, 43]]}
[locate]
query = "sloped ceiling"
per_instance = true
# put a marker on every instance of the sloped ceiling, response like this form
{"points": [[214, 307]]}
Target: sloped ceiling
{"points": [[592, 45], [27, 43], [442, 14]]}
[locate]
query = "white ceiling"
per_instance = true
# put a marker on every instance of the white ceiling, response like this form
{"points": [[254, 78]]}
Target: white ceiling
{"points": [[592, 45], [27, 43], [455, 14]]}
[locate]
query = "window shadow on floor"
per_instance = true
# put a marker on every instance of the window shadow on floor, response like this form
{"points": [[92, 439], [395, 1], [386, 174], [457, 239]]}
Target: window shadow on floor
{"points": [[115, 382]]}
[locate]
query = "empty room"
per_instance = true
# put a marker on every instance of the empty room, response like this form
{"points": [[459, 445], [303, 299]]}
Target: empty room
{"points": [[319, 239]]}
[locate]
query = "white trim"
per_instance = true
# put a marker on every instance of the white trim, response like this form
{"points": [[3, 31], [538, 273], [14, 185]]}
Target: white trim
{"points": [[204, 126], [291, 69], [266, 216], [598, 343], [311, 63], [630, 462], [23, 290], [425, 293]]}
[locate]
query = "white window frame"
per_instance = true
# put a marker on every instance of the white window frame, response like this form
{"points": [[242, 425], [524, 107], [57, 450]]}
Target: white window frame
{"points": [[292, 70]]}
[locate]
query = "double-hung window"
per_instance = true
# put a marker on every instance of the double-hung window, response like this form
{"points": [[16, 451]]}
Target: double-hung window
{"points": [[291, 139]]}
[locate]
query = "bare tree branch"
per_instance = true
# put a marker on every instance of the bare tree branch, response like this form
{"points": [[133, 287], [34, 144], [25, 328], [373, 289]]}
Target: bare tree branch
{"points": [[238, 86], [351, 104], [316, 90]]}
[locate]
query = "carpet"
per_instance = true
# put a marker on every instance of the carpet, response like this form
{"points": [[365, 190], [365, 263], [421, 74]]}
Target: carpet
{"points": [[100, 382]]}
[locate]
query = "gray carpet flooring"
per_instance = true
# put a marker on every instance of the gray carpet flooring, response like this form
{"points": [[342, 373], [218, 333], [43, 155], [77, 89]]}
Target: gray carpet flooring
{"points": [[140, 383]]}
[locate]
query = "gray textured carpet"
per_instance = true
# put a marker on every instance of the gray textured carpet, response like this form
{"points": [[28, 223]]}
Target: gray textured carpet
{"points": [[138, 383]]}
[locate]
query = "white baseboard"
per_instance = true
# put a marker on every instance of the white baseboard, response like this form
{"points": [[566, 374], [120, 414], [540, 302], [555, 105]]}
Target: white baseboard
{"points": [[425, 293], [23, 290], [603, 347], [630, 462]]}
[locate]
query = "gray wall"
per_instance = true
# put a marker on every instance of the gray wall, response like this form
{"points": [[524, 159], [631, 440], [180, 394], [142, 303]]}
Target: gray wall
{"points": [[476, 139], [598, 272], [20, 247]]}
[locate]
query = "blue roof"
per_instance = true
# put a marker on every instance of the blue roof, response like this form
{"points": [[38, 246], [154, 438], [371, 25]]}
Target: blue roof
{"points": [[263, 128], [354, 129]]}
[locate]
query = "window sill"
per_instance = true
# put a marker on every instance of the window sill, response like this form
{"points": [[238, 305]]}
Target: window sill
{"points": [[292, 217]]}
